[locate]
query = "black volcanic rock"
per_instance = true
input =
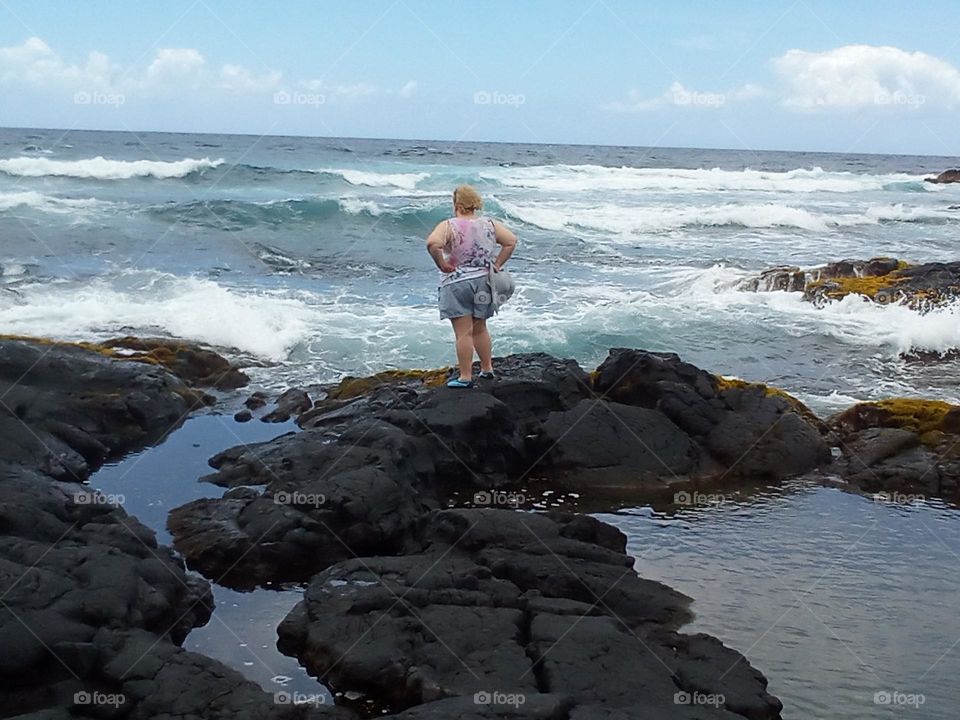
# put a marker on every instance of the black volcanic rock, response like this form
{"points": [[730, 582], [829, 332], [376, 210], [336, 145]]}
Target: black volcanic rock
{"points": [[64, 409], [883, 280], [292, 402], [901, 447], [327, 503], [947, 176], [734, 429], [649, 422], [502, 604], [609, 442], [93, 609]]}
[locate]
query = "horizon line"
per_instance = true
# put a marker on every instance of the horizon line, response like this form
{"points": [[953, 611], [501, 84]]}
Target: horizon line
{"points": [[483, 142]]}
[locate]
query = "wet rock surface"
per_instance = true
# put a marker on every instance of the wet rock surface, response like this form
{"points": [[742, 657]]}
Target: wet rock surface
{"points": [[65, 409], [93, 610], [361, 474], [425, 612], [499, 605], [194, 365], [882, 280], [901, 447], [947, 176], [412, 606]]}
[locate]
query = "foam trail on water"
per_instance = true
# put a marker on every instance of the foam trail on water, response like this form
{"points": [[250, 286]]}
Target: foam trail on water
{"points": [[623, 219], [579, 178], [405, 181], [356, 206], [100, 168], [48, 203]]}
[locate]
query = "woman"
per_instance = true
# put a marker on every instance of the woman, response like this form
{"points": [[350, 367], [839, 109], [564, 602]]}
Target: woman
{"points": [[464, 247]]}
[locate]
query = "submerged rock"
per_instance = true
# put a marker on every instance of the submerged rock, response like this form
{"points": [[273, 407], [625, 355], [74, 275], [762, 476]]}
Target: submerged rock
{"points": [[788, 278]]}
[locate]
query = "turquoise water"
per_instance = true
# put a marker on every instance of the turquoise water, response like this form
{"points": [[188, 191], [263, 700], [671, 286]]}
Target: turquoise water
{"points": [[303, 258], [307, 254]]}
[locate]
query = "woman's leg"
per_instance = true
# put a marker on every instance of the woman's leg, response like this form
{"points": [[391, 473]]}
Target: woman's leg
{"points": [[483, 344], [463, 329]]}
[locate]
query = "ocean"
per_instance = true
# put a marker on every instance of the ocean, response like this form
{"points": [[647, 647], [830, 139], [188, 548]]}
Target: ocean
{"points": [[305, 256]]}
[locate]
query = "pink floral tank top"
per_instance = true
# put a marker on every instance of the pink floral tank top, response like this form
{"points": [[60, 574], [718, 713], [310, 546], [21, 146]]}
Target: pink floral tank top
{"points": [[471, 248]]}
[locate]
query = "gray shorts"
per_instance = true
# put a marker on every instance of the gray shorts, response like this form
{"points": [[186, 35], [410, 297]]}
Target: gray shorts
{"points": [[466, 297]]}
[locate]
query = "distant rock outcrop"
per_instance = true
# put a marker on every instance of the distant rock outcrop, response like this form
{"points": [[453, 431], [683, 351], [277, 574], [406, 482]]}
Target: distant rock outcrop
{"points": [[882, 280], [947, 176]]}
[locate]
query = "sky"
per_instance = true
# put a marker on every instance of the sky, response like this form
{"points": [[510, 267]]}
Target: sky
{"points": [[816, 75]]}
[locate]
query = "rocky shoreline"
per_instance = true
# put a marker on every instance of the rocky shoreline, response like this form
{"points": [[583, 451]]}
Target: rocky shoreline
{"points": [[882, 280], [415, 606]]}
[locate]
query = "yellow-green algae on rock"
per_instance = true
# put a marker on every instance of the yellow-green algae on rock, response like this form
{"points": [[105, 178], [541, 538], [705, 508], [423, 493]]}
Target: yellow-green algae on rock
{"points": [[928, 418], [192, 364], [351, 387], [921, 287], [722, 383], [869, 287]]}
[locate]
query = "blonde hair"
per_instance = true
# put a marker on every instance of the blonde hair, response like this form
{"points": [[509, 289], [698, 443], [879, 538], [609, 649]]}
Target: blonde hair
{"points": [[466, 199]]}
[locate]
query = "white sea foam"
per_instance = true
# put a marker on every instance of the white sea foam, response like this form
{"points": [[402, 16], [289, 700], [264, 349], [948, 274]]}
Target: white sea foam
{"points": [[356, 206], [49, 203], [13, 270], [892, 328], [261, 324], [580, 178], [405, 181], [100, 168], [830, 403], [622, 219]]}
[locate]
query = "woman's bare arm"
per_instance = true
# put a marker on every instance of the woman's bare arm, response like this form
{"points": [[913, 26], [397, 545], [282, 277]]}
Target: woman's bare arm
{"points": [[507, 242], [436, 242]]}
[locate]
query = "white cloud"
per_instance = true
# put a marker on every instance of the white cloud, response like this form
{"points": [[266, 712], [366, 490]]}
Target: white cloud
{"points": [[678, 95], [635, 102], [175, 63], [408, 89], [171, 70], [859, 76], [349, 92], [35, 63], [236, 78], [357, 90]]}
